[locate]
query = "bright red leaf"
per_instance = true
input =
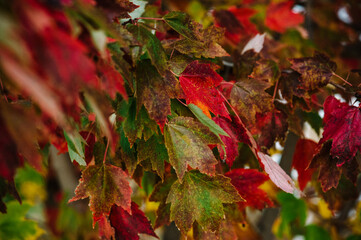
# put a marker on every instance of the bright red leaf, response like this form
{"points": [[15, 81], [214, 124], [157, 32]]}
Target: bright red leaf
{"points": [[342, 124], [247, 182], [199, 82], [236, 133], [305, 150], [280, 17], [129, 226]]}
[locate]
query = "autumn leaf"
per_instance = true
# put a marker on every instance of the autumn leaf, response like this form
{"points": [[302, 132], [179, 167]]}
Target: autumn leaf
{"points": [[342, 124], [237, 23], [160, 194], [116, 8], [111, 80], [248, 97], [105, 185], [280, 17], [199, 82], [329, 171], [247, 182], [276, 173], [154, 150], [199, 198], [182, 23], [187, 144], [155, 92], [272, 126], [128, 226], [304, 152], [236, 133], [315, 71], [152, 45]]}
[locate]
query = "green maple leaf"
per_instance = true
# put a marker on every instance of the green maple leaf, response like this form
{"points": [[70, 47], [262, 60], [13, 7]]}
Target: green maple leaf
{"points": [[187, 144], [154, 150], [155, 91], [200, 198], [105, 185]]}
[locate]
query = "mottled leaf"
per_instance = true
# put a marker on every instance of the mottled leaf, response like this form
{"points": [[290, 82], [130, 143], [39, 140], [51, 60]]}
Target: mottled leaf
{"points": [[116, 8], [342, 124], [152, 45], [155, 92], [199, 82], [128, 226], [199, 198], [160, 194], [154, 150], [273, 126], [105, 185], [182, 23], [315, 71], [187, 144], [248, 97], [247, 182]]}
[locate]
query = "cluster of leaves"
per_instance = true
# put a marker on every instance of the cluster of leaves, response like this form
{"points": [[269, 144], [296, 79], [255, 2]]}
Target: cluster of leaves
{"points": [[190, 110]]}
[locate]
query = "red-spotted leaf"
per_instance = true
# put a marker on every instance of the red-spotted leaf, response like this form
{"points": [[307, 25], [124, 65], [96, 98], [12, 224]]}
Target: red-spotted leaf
{"points": [[187, 144], [272, 125], [342, 124], [105, 185], [280, 17], [111, 80], [199, 82], [128, 226], [304, 152], [105, 229], [315, 71], [199, 198], [236, 133], [247, 181]]}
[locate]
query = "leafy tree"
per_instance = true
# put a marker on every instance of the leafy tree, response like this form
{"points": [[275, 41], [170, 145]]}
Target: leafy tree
{"points": [[175, 111]]}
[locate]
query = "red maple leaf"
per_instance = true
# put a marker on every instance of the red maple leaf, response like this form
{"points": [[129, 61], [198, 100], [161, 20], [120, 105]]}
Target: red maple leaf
{"points": [[236, 133], [305, 150], [236, 22], [247, 182], [280, 17], [128, 226], [199, 82], [342, 124]]}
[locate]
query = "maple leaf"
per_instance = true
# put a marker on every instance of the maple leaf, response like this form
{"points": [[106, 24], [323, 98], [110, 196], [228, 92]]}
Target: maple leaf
{"points": [[248, 97], [129, 226], [247, 181], [315, 71], [198, 41], [155, 92], [236, 22], [236, 133], [273, 125], [105, 185], [199, 198], [160, 194], [152, 45], [111, 80], [187, 144], [280, 17], [199, 82], [290, 85], [154, 150], [304, 152], [342, 124], [116, 8]]}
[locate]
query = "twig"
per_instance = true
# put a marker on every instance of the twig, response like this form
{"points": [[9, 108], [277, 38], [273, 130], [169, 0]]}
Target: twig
{"points": [[344, 80], [106, 151], [150, 18], [275, 91]]}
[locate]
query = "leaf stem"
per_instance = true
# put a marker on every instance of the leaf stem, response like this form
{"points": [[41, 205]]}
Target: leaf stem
{"points": [[344, 80], [275, 91], [106, 151], [150, 18]]}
